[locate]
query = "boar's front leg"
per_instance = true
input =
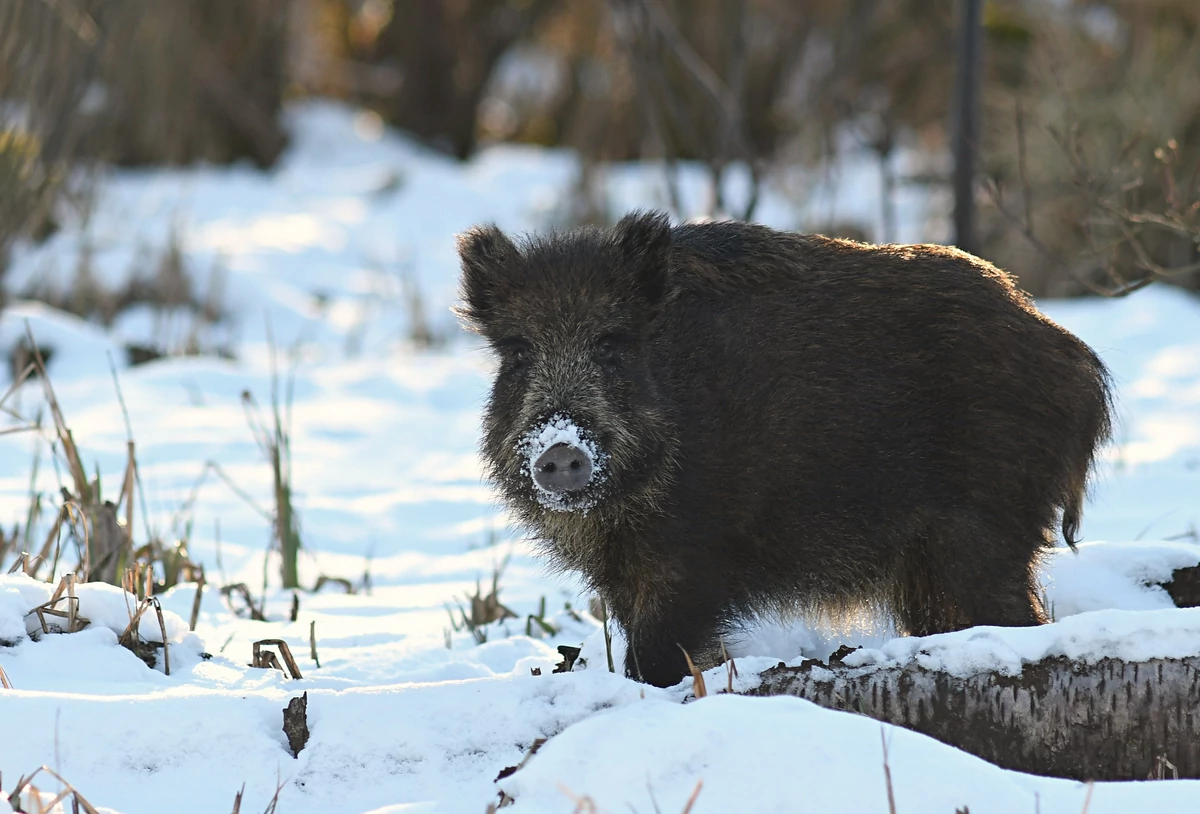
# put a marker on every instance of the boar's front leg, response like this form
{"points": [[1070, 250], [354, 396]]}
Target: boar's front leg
{"points": [[659, 633]]}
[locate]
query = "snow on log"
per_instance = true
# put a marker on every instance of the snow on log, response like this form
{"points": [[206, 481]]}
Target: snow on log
{"points": [[1108, 695], [1111, 720]]}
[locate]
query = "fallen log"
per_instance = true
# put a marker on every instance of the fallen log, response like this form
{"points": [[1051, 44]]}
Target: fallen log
{"points": [[1104, 720], [1119, 699]]}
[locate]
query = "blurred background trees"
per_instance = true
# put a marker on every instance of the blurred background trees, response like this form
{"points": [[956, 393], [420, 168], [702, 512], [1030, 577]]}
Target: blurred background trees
{"points": [[1092, 151], [1090, 139]]}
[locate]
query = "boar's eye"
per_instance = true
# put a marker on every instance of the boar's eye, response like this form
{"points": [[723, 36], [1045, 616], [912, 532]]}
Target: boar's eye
{"points": [[607, 352], [515, 353]]}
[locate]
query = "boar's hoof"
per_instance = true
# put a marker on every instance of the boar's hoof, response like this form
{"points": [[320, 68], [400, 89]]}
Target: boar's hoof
{"points": [[563, 468]]}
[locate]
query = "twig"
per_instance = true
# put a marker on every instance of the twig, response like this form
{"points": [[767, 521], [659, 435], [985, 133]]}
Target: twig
{"points": [[162, 625], [17, 382], [643, 67], [730, 668], [698, 687], [731, 141], [265, 658], [274, 803], [887, 773], [607, 635], [1023, 167], [132, 464], [195, 615], [708, 79], [213, 466], [82, 487], [79, 803], [256, 613]]}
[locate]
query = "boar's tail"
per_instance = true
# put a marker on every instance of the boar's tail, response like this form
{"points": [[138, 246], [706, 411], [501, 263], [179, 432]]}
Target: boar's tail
{"points": [[1097, 429], [1071, 516]]}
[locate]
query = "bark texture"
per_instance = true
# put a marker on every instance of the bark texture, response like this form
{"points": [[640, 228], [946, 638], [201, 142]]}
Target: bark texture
{"points": [[1110, 720]]}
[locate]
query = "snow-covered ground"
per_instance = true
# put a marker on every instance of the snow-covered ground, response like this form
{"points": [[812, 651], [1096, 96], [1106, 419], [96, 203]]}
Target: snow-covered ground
{"points": [[326, 250]]}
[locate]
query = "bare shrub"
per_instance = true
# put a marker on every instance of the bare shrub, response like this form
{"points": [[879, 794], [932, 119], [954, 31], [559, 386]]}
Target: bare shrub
{"points": [[424, 65], [50, 56], [163, 280], [133, 82], [1093, 155]]}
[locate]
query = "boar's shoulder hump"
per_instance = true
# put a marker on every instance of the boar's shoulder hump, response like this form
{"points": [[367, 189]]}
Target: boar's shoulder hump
{"points": [[725, 257]]}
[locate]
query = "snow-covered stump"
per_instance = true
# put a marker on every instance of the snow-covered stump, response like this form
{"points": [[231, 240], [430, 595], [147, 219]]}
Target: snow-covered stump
{"points": [[1104, 720]]}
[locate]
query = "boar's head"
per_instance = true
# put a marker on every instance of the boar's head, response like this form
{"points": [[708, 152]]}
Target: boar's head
{"points": [[575, 424]]}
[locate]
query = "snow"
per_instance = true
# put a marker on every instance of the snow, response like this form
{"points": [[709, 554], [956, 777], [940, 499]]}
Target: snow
{"points": [[784, 755], [323, 255], [1126, 576], [102, 605], [1087, 638]]}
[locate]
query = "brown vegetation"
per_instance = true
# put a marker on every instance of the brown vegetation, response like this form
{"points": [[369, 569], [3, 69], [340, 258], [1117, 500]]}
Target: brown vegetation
{"points": [[1091, 125], [1093, 146]]}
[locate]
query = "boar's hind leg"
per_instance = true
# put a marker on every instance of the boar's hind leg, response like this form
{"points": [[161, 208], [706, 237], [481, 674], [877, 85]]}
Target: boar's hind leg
{"points": [[961, 572]]}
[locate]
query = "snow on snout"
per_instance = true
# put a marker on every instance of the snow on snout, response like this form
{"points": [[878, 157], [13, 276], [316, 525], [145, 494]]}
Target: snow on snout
{"points": [[561, 429]]}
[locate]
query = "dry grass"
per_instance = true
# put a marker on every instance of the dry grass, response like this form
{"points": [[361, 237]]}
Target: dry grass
{"points": [[93, 522], [730, 668], [598, 608], [584, 804], [101, 529], [14, 544], [887, 772], [421, 332], [26, 788], [194, 617], [272, 804], [49, 614], [248, 606], [1161, 767], [274, 441], [267, 660], [699, 690], [484, 609], [345, 584], [131, 638], [1087, 799], [508, 771], [184, 320], [536, 625]]}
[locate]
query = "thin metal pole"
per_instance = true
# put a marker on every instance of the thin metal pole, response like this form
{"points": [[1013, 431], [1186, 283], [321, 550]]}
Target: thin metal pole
{"points": [[966, 124]]}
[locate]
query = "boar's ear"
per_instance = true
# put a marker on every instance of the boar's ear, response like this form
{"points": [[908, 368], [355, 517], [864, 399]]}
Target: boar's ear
{"points": [[644, 241], [486, 253]]}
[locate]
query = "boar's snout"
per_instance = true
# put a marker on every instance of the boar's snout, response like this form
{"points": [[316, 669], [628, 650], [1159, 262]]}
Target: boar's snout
{"points": [[563, 468]]}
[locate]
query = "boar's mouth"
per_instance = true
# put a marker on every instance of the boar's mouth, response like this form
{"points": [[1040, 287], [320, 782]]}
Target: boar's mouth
{"points": [[564, 465]]}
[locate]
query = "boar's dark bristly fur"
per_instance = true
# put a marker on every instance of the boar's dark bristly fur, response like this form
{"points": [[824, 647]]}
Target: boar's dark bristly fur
{"points": [[787, 423]]}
